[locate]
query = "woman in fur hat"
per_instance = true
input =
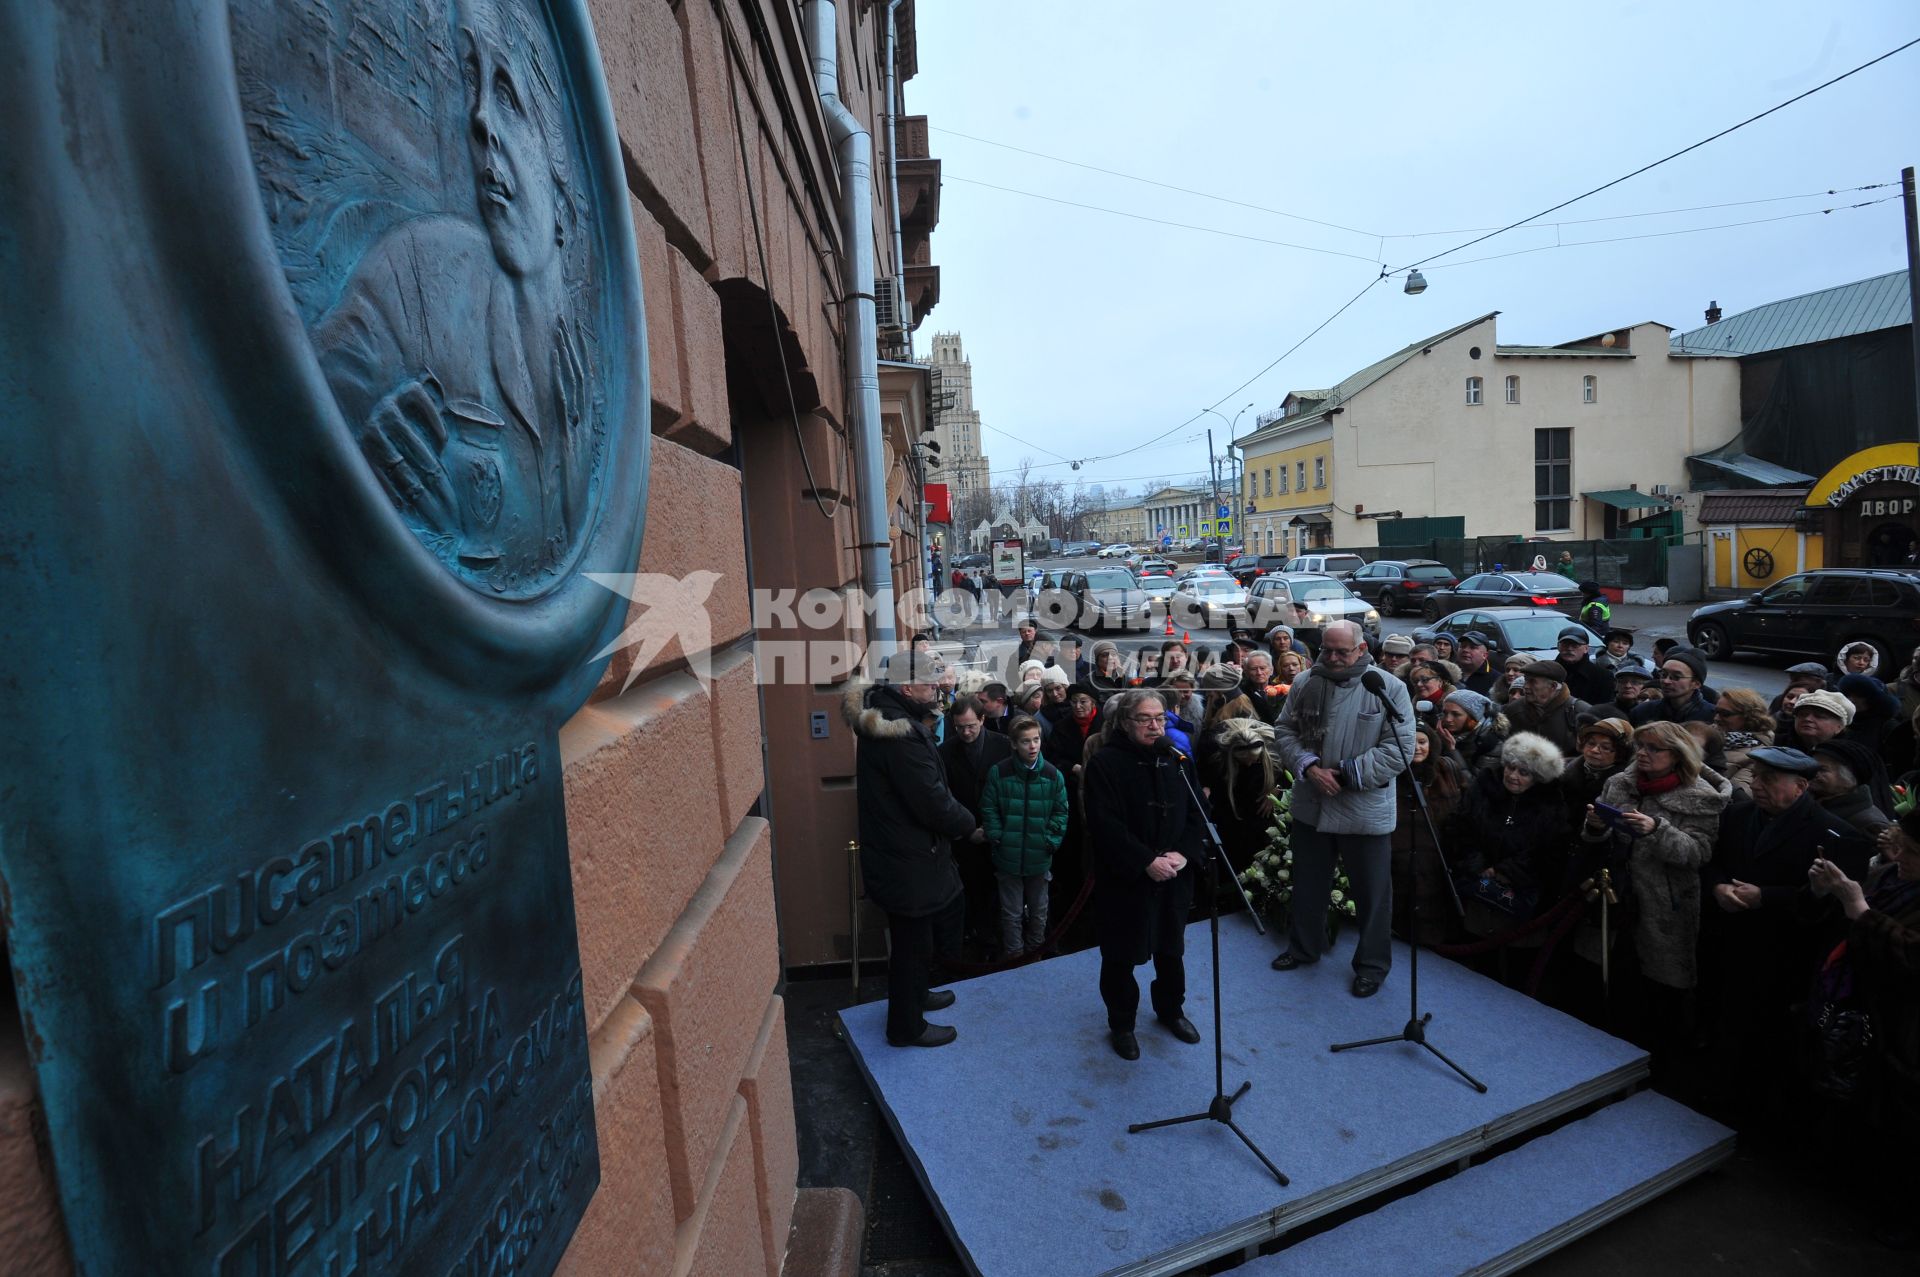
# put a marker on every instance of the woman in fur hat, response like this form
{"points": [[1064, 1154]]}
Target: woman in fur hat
{"points": [[1510, 836]]}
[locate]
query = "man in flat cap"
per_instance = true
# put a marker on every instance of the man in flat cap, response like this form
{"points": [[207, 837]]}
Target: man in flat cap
{"points": [[1765, 934]]}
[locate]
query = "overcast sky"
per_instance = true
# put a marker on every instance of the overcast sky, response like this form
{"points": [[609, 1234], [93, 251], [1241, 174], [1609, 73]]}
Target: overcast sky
{"points": [[1090, 333]]}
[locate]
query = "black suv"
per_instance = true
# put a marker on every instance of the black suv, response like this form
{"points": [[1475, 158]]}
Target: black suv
{"points": [[1246, 567], [1815, 614], [1401, 585]]}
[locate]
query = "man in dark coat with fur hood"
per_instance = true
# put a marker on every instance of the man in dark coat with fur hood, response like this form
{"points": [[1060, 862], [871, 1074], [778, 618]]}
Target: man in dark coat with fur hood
{"points": [[907, 819]]}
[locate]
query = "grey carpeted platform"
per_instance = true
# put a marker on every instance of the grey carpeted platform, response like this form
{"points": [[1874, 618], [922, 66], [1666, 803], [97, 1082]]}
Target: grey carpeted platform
{"points": [[1503, 1214], [1018, 1130]]}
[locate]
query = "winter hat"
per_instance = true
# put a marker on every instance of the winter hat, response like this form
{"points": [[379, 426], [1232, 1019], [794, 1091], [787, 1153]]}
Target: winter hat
{"points": [[1631, 669], [1397, 645], [1448, 670], [1535, 753], [1219, 678], [1807, 674], [1054, 674], [1478, 707], [1028, 689], [1235, 733], [1517, 661], [1617, 730], [908, 666], [1691, 658], [1828, 703], [1868, 688], [1851, 754], [1782, 759], [1029, 670], [1553, 671]]}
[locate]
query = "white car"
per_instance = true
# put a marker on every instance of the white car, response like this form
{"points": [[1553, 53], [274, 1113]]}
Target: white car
{"points": [[1202, 602], [1118, 550]]}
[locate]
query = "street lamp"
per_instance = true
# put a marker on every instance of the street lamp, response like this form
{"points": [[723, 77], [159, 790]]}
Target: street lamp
{"points": [[1415, 285], [1232, 426]]}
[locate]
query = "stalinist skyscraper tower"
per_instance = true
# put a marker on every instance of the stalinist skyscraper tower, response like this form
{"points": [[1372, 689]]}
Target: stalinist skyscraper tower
{"points": [[957, 427]]}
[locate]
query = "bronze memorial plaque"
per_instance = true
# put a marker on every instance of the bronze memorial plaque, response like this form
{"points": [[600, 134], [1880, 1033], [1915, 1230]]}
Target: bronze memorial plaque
{"points": [[324, 386]]}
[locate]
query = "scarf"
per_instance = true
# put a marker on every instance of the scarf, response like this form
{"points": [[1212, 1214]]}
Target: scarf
{"points": [[1745, 740], [1656, 784], [1081, 720], [1309, 708]]}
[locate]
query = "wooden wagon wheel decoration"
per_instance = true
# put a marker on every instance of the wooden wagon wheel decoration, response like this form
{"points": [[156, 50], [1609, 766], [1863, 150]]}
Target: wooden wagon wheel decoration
{"points": [[1758, 563]]}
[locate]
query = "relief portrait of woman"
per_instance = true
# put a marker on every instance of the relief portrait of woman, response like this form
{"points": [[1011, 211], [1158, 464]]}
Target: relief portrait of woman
{"points": [[459, 350]]}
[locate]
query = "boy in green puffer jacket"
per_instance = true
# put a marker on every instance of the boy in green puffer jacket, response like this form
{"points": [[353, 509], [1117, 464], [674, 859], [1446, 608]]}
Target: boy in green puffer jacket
{"points": [[1023, 810]]}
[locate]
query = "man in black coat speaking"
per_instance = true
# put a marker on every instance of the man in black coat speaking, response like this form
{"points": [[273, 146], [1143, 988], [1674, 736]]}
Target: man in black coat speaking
{"points": [[907, 819], [1146, 832]]}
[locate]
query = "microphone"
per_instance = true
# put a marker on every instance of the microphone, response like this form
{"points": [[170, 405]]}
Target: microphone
{"points": [[1376, 683], [1165, 745]]}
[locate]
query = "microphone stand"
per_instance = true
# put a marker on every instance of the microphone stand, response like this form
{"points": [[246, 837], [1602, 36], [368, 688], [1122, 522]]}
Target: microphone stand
{"points": [[1416, 1027], [1221, 1109]]}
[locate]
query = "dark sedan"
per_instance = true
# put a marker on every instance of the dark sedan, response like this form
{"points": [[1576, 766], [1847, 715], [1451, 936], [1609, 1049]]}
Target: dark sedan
{"points": [[1532, 631], [1507, 589], [1815, 614]]}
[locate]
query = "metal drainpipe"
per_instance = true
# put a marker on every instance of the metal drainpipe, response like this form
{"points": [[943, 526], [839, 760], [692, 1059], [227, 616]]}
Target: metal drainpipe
{"points": [[893, 170], [853, 153]]}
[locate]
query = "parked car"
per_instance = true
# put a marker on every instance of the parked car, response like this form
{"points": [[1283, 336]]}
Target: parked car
{"points": [[1308, 601], [1334, 565], [1105, 597], [1039, 583], [1506, 589], [1246, 567], [1531, 631], [1157, 580], [1118, 550], [1080, 549], [1203, 601], [1401, 585], [1151, 564], [1815, 614], [971, 561]]}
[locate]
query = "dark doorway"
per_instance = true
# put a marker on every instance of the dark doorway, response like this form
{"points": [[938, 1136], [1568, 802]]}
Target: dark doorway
{"points": [[1891, 545]]}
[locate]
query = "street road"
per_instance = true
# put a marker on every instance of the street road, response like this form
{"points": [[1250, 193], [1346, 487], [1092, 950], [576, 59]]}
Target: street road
{"points": [[1766, 675]]}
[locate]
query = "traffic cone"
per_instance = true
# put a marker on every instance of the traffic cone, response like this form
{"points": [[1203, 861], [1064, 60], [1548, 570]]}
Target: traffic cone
{"points": [[1169, 624], [1186, 638]]}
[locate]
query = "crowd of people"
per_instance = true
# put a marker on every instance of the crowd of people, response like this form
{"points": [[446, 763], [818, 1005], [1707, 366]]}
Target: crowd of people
{"points": [[1728, 880]]}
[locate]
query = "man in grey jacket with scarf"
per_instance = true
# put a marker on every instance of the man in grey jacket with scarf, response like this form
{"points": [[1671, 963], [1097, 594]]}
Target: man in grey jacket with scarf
{"points": [[1336, 737]]}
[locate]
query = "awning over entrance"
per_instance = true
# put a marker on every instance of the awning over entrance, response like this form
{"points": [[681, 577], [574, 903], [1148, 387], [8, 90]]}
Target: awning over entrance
{"points": [[1750, 505], [1625, 498], [1739, 470], [1310, 521]]}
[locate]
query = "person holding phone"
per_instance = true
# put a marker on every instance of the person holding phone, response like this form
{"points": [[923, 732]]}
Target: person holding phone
{"points": [[1657, 820]]}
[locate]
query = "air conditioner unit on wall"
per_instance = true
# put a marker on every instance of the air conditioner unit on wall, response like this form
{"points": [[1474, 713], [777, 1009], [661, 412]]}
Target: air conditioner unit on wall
{"points": [[890, 310]]}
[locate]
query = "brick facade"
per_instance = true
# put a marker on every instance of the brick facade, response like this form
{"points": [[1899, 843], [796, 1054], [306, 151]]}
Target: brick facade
{"points": [[675, 820]]}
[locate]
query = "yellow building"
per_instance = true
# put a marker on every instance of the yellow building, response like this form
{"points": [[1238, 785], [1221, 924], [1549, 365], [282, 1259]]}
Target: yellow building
{"points": [[1286, 491]]}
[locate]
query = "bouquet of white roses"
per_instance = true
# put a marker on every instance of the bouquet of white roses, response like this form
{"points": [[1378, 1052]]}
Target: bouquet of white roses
{"points": [[1269, 879]]}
